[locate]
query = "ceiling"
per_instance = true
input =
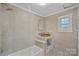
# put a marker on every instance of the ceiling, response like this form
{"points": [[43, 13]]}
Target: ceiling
{"points": [[44, 10]]}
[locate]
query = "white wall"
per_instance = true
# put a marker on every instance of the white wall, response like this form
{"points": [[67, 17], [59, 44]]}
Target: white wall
{"points": [[19, 29]]}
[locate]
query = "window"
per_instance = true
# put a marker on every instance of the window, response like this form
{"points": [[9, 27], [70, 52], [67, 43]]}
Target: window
{"points": [[65, 23]]}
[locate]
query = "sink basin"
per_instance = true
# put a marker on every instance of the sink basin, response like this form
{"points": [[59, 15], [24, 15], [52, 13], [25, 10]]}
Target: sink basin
{"points": [[44, 34]]}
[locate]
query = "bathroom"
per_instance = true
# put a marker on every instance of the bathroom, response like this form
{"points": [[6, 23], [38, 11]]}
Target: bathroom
{"points": [[36, 28]]}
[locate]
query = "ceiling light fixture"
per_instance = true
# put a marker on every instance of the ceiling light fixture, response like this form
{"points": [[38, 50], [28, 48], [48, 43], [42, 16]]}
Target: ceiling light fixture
{"points": [[42, 4]]}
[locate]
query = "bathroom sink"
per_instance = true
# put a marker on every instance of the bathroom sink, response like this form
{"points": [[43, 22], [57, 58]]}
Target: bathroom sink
{"points": [[44, 34]]}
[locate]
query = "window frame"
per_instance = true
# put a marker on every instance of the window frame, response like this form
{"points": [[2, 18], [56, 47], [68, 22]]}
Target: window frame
{"points": [[70, 23]]}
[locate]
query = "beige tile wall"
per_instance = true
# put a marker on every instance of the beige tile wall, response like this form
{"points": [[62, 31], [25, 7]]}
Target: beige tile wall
{"points": [[63, 40], [19, 29], [78, 30], [0, 26]]}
